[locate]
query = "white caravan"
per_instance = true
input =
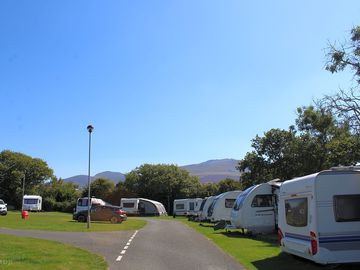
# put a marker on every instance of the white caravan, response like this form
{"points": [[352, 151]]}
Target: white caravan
{"points": [[319, 216], [82, 203], [32, 203], [255, 209], [220, 208], [204, 211], [142, 207], [187, 207]]}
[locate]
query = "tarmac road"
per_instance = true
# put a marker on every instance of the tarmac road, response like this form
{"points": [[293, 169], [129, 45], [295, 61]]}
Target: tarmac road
{"points": [[160, 245]]}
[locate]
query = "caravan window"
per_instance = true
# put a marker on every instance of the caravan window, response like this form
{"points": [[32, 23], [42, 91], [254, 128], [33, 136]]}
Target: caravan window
{"points": [[240, 199], [262, 201], [30, 201], [82, 202], [202, 204], [296, 211], [129, 205], [191, 205], [229, 203], [346, 208], [180, 206]]}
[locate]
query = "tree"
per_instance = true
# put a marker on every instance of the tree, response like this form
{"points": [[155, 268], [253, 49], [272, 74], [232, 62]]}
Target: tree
{"points": [[101, 188], [163, 183], [317, 142], [14, 168], [346, 103], [58, 195], [228, 185], [346, 55]]}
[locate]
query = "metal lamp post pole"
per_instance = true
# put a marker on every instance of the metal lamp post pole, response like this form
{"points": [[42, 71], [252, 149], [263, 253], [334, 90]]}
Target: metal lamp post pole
{"points": [[90, 128], [23, 193]]}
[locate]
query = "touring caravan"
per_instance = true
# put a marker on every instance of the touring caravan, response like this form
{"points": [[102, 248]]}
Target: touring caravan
{"points": [[319, 216], [187, 207], [82, 203], [142, 207], [220, 208], [204, 211], [255, 209], [32, 203]]}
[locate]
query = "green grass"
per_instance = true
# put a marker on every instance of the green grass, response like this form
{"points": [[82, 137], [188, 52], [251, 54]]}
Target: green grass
{"points": [[54, 221], [34, 254], [261, 252]]}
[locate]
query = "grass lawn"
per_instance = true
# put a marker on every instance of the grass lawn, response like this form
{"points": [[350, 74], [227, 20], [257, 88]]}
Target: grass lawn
{"points": [[54, 221], [261, 252], [33, 254]]}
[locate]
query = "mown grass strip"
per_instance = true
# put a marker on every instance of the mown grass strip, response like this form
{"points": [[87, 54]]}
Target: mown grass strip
{"points": [[257, 252], [54, 221], [34, 254]]}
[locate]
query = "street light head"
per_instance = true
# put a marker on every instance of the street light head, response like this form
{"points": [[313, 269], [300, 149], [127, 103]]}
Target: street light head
{"points": [[90, 128]]}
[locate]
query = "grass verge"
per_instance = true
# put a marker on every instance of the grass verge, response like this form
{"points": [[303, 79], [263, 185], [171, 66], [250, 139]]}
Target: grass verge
{"points": [[54, 221], [257, 252], [33, 254]]}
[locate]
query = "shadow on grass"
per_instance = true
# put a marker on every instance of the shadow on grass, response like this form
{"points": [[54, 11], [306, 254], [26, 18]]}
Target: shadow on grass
{"points": [[268, 238], [283, 261], [209, 225]]}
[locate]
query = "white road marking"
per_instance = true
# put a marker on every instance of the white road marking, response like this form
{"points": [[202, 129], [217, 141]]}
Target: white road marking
{"points": [[118, 259]]}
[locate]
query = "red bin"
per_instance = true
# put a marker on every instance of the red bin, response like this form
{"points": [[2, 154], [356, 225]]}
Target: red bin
{"points": [[24, 214]]}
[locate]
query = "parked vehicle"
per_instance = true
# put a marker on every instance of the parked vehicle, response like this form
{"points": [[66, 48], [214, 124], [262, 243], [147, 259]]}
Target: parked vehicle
{"points": [[319, 216], [204, 212], [32, 203], [255, 209], [142, 207], [82, 204], [187, 207], [220, 208], [3, 208], [102, 213]]}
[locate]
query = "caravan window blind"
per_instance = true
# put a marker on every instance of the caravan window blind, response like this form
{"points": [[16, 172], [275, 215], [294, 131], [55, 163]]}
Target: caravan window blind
{"points": [[346, 208], [296, 211]]}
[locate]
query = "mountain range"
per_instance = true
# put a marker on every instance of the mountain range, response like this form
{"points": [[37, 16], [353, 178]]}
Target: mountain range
{"points": [[208, 171]]}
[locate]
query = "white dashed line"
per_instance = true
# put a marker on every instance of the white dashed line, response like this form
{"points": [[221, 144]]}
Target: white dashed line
{"points": [[118, 259]]}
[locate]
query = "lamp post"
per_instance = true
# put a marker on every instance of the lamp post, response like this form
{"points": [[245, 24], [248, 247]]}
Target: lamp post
{"points": [[23, 193], [90, 128]]}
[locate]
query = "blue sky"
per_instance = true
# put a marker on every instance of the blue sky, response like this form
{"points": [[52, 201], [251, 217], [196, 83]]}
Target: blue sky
{"points": [[175, 82]]}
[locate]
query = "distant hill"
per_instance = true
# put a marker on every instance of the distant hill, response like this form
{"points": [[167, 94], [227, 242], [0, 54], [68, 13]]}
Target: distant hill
{"points": [[114, 176], [208, 171], [214, 170], [82, 180]]}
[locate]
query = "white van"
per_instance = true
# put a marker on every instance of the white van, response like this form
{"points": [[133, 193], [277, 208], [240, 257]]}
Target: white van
{"points": [[220, 208], [255, 209], [32, 203], [319, 216], [82, 203]]}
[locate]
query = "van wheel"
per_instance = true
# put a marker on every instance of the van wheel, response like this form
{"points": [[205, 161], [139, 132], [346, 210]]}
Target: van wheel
{"points": [[81, 218], [113, 220]]}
